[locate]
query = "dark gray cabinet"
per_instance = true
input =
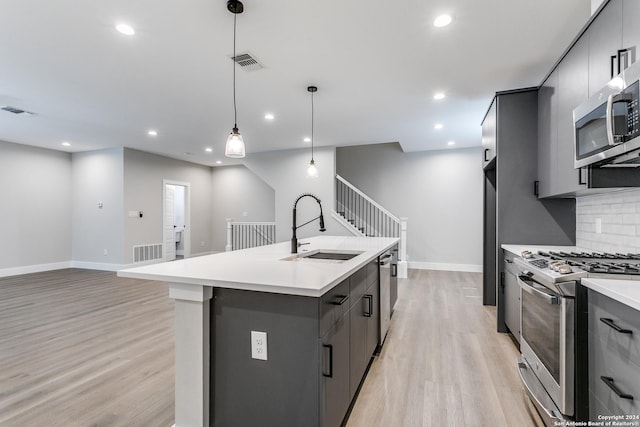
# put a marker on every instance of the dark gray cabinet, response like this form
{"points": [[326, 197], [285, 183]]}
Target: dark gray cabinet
{"points": [[365, 323], [336, 373], [489, 138], [614, 357], [318, 352], [630, 27], [547, 135], [573, 89], [512, 295], [604, 40], [512, 212]]}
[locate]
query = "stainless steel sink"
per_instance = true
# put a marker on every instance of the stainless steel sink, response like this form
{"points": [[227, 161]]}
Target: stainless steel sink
{"points": [[324, 255]]}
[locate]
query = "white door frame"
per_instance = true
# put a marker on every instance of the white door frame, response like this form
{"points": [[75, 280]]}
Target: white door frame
{"points": [[187, 215]]}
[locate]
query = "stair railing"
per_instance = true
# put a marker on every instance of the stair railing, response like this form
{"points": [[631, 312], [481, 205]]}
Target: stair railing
{"points": [[243, 235], [364, 213]]}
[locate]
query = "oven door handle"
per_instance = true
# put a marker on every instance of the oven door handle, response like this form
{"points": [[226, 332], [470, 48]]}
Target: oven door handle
{"points": [[551, 299]]}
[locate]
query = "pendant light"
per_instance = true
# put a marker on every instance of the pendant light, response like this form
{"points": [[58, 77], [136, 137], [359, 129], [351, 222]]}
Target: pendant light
{"points": [[235, 144], [312, 170]]}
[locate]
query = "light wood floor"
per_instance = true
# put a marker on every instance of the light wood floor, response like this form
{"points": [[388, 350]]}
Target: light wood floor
{"points": [[85, 348], [443, 364]]}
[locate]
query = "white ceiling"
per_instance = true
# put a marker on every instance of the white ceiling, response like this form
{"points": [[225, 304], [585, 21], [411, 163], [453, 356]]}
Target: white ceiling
{"points": [[377, 64]]}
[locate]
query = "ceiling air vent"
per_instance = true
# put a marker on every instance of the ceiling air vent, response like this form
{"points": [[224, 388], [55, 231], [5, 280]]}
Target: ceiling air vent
{"points": [[15, 110], [247, 62]]}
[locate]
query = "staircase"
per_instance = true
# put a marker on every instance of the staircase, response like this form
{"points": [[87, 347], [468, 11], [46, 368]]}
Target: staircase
{"points": [[361, 214]]}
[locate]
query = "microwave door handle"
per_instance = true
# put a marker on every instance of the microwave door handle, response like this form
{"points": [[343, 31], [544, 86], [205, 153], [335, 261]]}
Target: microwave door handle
{"points": [[611, 99], [551, 299], [609, 114]]}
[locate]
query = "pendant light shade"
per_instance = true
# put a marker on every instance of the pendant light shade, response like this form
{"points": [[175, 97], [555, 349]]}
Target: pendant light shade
{"points": [[312, 170], [235, 144]]}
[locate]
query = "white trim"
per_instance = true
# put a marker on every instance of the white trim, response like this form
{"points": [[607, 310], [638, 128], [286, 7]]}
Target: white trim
{"points": [[471, 268], [346, 224], [37, 268], [185, 292], [87, 265]]}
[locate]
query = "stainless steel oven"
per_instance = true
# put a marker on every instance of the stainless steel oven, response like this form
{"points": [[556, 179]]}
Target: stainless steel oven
{"points": [[547, 365]]}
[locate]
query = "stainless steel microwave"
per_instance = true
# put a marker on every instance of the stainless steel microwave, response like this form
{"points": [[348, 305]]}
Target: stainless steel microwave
{"points": [[606, 127]]}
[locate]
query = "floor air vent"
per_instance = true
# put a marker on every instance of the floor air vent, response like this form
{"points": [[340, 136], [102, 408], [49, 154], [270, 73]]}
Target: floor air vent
{"points": [[247, 62], [144, 253]]}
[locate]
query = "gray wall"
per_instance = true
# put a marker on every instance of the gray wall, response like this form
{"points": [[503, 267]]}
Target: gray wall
{"points": [[285, 171], [36, 206], [97, 178], [254, 202], [439, 191], [143, 179]]}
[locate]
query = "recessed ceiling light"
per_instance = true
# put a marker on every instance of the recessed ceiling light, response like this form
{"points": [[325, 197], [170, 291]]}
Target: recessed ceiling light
{"points": [[442, 21], [66, 144], [125, 29], [218, 162], [209, 150], [437, 126], [269, 116], [152, 132], [450, 143], [307, 139], [438, 96]]}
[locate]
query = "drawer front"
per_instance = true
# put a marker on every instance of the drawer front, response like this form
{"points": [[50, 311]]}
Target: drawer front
{"points": [[333, 305], [372, 273], [625, 376], [625, 343], [358, 284]]}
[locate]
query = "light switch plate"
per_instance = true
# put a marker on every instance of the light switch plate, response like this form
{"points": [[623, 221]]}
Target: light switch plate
{"points": [[258, 345]]}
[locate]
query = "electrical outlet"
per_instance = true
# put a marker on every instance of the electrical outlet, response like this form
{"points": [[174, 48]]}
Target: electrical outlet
{"points": [[105, 252], [598, 225], [258, 345]]}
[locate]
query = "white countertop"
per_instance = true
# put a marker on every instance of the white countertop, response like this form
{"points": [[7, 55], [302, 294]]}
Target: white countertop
{"points": [[262, 268], [624, 291]]}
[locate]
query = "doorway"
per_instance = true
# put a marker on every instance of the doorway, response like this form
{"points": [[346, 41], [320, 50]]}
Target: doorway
{"points": [[176, 230]]}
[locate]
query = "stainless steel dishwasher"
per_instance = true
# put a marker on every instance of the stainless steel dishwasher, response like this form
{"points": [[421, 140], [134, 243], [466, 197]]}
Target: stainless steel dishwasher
{"points": [[384, 262]]}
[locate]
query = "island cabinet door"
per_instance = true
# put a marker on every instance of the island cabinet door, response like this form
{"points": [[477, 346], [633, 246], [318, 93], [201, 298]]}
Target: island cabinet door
{"points": [[335, 397], [358, 358], [372, 310]]}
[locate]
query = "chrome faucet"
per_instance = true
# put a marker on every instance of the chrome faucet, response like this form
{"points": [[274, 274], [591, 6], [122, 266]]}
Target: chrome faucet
{"points": [[294, 238]]}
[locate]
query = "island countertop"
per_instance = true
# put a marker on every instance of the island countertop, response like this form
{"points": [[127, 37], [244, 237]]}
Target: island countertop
{"points": [[266, 268]]}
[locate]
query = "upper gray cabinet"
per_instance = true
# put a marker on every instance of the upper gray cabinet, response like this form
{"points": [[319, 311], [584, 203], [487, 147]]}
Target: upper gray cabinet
{"points": [[547, 134], [630, 27], [489, 137], [605, 39], [573, 90]]}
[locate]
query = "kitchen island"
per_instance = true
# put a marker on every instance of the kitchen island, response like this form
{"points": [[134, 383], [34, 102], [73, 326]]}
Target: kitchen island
{"points": [[319, 318]]}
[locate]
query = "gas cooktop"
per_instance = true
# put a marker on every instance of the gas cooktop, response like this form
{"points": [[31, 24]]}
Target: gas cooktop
{"points": [[595, 262]]}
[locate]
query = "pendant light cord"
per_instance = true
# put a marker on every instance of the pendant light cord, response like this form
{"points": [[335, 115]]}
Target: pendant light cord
{"points": [[311, 126], [235, 110]]}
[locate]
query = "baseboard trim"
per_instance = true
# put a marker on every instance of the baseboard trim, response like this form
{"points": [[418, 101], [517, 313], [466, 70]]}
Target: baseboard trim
{"points": [[87, 265], [37, 268], [470, 268]]}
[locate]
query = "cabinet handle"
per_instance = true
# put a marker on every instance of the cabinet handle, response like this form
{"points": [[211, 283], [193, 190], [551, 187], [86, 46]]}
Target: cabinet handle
{"points": [[369, 311], [330, 374], [609, 322], [343, 299], [580, 181], [394, 270], [486, 150], [536, 188], [609, 382]]}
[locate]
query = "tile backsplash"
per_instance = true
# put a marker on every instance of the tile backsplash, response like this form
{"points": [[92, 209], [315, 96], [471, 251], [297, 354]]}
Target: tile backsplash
{"points": [[618, 215]]}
